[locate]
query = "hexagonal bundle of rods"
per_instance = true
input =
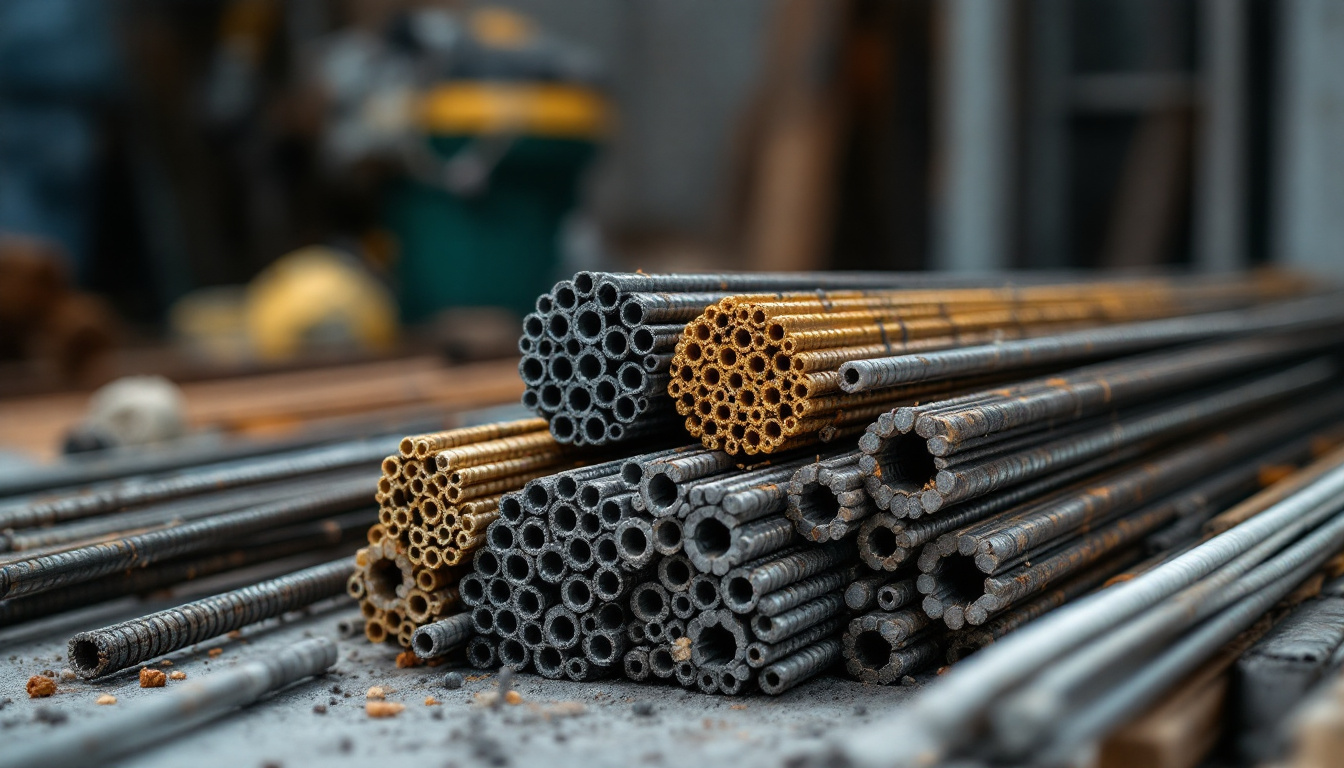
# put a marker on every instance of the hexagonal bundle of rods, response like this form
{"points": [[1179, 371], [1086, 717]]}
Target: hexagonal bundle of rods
{"points": [[436, 497], [597, 349], [760, 373], [587, 573]]}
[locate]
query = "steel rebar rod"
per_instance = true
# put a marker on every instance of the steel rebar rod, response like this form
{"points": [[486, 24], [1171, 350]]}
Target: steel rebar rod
{"points": [[96, 741], [103, 651], [88, 563], [1297, 315]]}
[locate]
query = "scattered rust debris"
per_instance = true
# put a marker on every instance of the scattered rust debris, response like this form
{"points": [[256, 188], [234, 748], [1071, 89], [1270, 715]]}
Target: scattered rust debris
{"points": [[152, 678], [383, 708], [40, 687]]}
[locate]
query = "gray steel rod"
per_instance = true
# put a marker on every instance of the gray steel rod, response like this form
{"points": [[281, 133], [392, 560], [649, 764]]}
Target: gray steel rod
{"points": [[103, 651], [881, 373], [935, 722], [148, 722]]}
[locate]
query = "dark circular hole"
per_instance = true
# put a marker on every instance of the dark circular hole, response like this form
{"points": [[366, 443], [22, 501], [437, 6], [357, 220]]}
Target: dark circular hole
{"points": [[506, 621], [578, 592], [501, 536], [532, 370], [632, 378], [882, 542], [590, 365], [594, 428], [716, 645], [501, 591], [529, 601], [84, 654], [604, 392], [510, 509], [712, 537], [580, 552], [590, 524], [610, 616], [677, 571], [872, 649], [533, 326], [487, 562], [632, 314], [532, 535], [606, 551], [626, 408], [552, 396], [517, 567], [634, 544], [820, 505], [662, 492], [565, 298], [650, 602], [512, 653], [557, 326], [588, 323], [601, 648], [383, 579], [531, 634], [564, 518], [551, 564], [579, 399], [668, 533], [706, 593], [562, 369], [608, 583], [616, 343], [562, 628], [740, 590], [471, 589]]}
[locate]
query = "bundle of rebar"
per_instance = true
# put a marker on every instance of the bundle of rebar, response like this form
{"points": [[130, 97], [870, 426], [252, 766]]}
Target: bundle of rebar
{"points": [[1046, 693], [761, 373], [436, 498], [674, 565], [597, 351]]}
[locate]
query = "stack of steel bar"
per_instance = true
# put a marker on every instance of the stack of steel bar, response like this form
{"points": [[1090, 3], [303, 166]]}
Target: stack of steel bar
{"points": [[249, 523], [597, 350], [436, 497], [669, 565], [1051, 691], [90, 543], [761, 373]]}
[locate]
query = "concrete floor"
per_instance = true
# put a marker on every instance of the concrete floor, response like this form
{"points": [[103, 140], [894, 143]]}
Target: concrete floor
{"points": [[685, 728]]}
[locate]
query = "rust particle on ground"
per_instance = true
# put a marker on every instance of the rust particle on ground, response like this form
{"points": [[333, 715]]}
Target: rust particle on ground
{"points": [[383, 708], [177, 675], [166, 663], [513, 697], [430, 701], [376, 692], [152, 678], [40, 686], [407, 659]]}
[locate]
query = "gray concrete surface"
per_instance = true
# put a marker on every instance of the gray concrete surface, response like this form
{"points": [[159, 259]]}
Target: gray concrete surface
{"points": [[685, 728]]}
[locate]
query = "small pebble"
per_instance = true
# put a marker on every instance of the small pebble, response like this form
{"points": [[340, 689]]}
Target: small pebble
{"points": [[105, 700], [513, 697], [642, 708], [453, 680], [376, 692], [48, 673], [215, 652], [177, 675], [320, 709], [166, 663], [67, 674], [860, 710], [430, 701]]}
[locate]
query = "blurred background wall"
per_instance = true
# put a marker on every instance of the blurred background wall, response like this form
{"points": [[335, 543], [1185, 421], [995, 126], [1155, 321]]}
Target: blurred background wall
{"points": [[455, 156]]}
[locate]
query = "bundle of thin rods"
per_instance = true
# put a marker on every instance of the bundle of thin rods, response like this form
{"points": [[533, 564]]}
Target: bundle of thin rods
{"points": [[436, 497], [275, 530], [597, 350], [760, 373], [1047, 693], [587, 573]]}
